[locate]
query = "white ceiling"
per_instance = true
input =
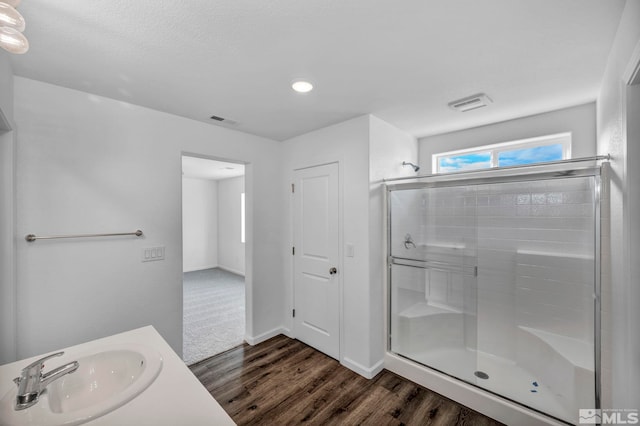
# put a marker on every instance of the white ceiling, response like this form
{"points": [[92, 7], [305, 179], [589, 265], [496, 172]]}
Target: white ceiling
{"points": [[401, 60], [201, 168]]}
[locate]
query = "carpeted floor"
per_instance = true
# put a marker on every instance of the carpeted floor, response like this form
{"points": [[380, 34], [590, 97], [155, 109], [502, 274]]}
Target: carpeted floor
{"points": [[213, 313]]}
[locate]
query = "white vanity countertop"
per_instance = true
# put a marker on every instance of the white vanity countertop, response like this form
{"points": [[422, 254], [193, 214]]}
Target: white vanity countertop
{"points": [[176, 397]]}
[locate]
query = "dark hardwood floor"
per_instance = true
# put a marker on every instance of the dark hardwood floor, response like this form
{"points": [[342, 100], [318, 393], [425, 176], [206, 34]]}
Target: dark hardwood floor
{"points": [[283, 381]]}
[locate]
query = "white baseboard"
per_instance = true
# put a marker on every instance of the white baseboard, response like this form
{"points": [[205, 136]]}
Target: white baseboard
{"points": [[233, 271], [254, 340], [200, 268], [367, 372]]}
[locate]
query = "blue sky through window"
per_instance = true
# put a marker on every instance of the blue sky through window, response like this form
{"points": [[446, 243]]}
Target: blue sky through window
{"points": [[538, 154], [472, 161], [536, 150]]}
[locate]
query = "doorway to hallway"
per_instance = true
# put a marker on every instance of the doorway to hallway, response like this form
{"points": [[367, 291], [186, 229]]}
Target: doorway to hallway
{"points": [[213, 241]]}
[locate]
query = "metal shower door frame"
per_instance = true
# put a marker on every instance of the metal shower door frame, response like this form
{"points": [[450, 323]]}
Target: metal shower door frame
{"points": [[447, 181]]}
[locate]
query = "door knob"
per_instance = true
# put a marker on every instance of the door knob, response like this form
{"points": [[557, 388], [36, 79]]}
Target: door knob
{"points": [[333, 271]]}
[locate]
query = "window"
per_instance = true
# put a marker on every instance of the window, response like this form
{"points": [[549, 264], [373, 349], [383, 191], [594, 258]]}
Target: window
{"points": [[242, 234], [516, 153]]}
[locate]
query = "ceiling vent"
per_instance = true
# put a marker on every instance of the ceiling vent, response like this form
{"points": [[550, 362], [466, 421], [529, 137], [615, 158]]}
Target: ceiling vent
{"points": [[223, 120], [471, 102]]}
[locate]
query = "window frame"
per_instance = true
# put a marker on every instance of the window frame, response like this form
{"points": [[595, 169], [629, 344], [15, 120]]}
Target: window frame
{"points": [[563, 139]]}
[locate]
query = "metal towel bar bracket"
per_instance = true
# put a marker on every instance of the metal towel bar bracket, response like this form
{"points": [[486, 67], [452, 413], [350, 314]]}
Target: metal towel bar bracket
{"points": [[33, 237]]}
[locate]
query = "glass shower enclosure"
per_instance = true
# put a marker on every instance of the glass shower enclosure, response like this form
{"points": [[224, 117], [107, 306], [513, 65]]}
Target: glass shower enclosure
{"points": [[495, 281]]}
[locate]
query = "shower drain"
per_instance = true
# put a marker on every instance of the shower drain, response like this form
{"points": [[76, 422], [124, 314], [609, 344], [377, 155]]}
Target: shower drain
{"points": [[481, 374]]}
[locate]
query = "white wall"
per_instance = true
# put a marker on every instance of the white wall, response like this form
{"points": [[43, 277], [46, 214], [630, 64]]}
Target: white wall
{"points": [[230, 246], [211, 224], [199, 224], [346, 143], [620, 286], [388, 148], [91, 164], [7, 216], [367, 149], [579, 120]]}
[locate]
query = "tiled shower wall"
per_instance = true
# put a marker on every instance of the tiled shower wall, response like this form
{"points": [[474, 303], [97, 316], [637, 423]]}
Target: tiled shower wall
{"points": [[441, 223], [535, 261], [534, 243]]}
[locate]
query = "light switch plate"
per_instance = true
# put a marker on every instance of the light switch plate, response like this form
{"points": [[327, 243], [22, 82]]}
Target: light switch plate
{"points": [[350, 250], [150, 254]]}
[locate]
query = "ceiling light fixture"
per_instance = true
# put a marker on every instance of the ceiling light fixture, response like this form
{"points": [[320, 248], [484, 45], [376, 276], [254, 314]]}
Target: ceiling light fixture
{"points": [[12, 25], [302, 86]]}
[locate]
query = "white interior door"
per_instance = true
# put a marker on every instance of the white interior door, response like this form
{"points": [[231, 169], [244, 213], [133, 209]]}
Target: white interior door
{"points": [[316, 249]]}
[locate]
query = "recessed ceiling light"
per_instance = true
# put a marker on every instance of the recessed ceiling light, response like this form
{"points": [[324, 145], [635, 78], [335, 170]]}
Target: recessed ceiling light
{"points": [[301, 86]]}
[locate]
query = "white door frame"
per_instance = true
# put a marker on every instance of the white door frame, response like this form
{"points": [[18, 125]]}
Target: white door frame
{"points": [[630, 84], [248, 251], [8, 245]]}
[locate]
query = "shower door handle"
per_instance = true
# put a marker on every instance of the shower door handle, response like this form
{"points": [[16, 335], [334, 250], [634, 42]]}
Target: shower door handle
{"points": [[433, 265], [333, 271]]}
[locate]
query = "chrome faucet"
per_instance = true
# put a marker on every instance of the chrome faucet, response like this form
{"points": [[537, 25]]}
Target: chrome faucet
{"points": [[32, 382]]}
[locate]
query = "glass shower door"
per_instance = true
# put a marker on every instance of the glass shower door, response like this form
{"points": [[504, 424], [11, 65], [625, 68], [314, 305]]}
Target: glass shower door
{"points": [[495, 284], [433, 278], [536, 286]]}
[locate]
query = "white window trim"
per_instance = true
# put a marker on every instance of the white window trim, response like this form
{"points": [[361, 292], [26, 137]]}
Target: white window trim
{"points": [[495, 149]]}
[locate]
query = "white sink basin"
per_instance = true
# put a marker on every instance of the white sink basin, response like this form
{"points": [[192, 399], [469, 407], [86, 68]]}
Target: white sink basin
{"points": [[105, 380]]}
